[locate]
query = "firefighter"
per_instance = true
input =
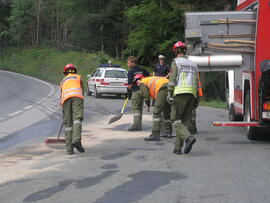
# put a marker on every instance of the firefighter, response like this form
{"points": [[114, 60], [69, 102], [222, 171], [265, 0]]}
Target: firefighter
{"points": [[136, 99], [192, 126], [182, 91], [72, 97], [156, 87], [161, 69]]}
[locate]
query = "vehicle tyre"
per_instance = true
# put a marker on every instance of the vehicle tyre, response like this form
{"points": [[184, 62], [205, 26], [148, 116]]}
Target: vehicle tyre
{"points": [[96, 94], [232, 115], [251, 131], [88, 92]]}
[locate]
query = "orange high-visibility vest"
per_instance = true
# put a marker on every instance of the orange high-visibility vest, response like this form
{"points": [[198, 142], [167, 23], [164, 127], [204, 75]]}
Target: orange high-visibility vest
{"points": [[154, 84], [71, 87], [200, 90]]}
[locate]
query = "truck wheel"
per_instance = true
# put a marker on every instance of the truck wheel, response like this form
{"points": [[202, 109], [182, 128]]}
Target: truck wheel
{"points": [[232, 115], [251, 131], [96, 94], [88, 92]]}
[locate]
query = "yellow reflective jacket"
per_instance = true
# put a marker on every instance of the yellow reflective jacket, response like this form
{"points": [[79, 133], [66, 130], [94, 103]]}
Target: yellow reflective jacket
{"points": [[184, 77], [71, 87], [154, 84]]}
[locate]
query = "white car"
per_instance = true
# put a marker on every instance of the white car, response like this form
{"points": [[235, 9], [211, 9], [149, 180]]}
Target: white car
{"points": [[107, 79]]}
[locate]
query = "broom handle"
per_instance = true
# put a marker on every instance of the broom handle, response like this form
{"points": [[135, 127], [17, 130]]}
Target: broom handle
{"points": [[124, 106], [60, 129]]}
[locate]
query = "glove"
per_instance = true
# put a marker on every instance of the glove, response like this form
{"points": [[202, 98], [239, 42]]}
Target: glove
{"points": [[170, 99], [129, 93]]}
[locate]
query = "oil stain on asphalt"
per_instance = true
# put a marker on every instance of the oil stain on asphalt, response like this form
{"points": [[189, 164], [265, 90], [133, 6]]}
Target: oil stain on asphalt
{"points": [[142, 184]]}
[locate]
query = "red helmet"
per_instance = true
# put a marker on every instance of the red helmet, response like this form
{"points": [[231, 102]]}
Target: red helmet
{"points": [[70, 68], [138, 77], [179, 47]]}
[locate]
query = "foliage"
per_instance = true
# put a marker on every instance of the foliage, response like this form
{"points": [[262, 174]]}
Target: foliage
{"points": [[119, 28]]}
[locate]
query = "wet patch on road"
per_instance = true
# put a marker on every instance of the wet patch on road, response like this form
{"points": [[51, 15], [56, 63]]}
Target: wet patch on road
{"points": [[141, 157], [199, 153], [115, 155], [46, 193], [90, 181], [109, 166], [212, 139], [142, 184]]}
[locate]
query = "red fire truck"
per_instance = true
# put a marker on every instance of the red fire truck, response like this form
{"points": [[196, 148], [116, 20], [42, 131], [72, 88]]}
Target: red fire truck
{"points": [[237, 42]]}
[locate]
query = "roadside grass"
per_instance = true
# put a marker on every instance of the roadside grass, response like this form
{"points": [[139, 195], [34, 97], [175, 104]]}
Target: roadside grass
{"points": [[214, 103], [47, 64]]}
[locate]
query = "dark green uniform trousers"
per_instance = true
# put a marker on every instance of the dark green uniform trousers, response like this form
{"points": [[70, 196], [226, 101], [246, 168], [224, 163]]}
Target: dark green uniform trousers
{"points": [[73, 116], [161, 106], [181, 116], [137, 107], [192, 127]]}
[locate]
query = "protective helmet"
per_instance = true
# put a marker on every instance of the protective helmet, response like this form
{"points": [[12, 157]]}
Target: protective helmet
{"points": [[179, 47], [138, 77], [69, 68]]}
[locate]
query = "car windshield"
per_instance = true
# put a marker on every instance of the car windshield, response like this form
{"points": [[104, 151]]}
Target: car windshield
{"points": [[115, 74]]}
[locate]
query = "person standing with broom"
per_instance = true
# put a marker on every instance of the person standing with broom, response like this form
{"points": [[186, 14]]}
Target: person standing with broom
{"points": [[72, 98]]}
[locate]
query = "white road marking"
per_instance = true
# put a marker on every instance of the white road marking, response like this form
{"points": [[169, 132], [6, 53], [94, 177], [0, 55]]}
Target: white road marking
{"points": [[15, 113], [28, 107]]}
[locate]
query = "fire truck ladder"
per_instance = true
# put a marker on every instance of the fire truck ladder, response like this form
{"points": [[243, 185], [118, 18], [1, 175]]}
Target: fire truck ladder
{"points": [[238, 124]]}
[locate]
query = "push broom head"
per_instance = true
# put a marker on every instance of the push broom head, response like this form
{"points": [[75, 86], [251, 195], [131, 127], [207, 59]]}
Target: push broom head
{"points": [[55, 140]]}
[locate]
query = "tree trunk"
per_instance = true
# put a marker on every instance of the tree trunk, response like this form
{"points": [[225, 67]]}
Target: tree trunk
{"points": [[38, 21]]}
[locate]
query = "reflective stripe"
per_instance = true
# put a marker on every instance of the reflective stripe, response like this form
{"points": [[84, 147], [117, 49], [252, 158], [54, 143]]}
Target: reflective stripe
{"points": [[67, 90], [71, 93], [71, 87], [77, 122], [157, 119], [152, 86], [171, 84], [68, 129], [177, 121]]}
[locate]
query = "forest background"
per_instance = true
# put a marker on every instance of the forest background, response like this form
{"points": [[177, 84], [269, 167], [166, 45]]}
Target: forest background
{"points": [[38, 35]]}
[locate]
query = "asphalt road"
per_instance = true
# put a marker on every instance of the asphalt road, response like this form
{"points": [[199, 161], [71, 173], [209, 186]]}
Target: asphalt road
{"points": [[119, 167]]}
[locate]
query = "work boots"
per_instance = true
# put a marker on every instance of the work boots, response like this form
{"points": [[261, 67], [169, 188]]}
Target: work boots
{"points": [[155, 136], [188, 144], [135, 128], [70, 150], [78, 146]]}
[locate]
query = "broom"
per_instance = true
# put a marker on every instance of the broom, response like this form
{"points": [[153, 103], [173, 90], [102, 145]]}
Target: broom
{"points": [[56, 140]]}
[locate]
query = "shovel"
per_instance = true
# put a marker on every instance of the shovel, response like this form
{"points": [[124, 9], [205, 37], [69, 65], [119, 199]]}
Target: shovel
{"points": [[118, 116]]}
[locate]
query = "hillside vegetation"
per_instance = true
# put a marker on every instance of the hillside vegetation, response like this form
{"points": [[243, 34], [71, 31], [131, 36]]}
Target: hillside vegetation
{"points": [[47, 64]]}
